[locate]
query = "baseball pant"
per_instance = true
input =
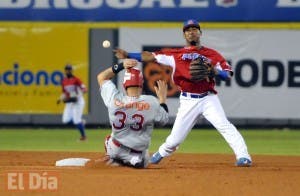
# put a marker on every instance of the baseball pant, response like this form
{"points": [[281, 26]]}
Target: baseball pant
{"points": [[190, 110], [73, 111], [126, 155]]}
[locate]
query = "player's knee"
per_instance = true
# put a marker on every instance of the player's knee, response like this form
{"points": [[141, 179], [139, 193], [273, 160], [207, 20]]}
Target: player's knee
{"points": [[76, 122], [139, 165]]}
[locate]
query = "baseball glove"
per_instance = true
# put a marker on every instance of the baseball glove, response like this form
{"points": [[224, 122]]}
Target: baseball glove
{"points": [[201, 68], [70, 100], [65, 99]]}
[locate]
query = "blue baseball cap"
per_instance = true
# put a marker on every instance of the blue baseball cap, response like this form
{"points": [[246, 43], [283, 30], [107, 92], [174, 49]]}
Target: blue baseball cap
{"points": [[190, 23], [68, 67]]}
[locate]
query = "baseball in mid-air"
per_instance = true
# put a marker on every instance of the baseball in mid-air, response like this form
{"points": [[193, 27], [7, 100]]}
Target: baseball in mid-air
{"points": [[106, 44]]}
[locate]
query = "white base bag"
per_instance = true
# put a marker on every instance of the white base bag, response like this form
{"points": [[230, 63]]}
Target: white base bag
{"points": [[79, 162]]}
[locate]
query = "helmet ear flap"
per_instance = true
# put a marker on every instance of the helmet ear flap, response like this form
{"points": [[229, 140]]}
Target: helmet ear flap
{"points": [[133, 77]]}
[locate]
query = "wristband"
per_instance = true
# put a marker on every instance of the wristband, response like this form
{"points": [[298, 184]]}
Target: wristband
{"points": [[165, 107], [136, 56], [117, 68], [223, 74]]}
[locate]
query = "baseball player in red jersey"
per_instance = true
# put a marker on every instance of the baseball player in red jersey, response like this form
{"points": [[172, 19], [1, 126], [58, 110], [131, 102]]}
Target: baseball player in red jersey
{"points": [[72, 96], [132, 116], [198, 98]]}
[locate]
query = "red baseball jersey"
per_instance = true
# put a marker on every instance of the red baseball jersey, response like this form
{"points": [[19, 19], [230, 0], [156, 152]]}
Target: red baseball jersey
{"points": [[73, 86], [180, 59]]}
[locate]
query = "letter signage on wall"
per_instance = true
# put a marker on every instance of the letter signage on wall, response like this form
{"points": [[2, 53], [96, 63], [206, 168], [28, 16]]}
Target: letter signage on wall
{"points": [[32, 65], [150, 10]]}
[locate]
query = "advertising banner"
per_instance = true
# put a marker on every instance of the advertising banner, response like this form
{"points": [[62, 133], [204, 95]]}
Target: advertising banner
{"points": [[266, 65], [32, 61], [150, 10]]}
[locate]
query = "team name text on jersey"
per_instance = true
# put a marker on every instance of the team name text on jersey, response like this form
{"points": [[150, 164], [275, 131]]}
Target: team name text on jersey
{"points": [[138, 105]]}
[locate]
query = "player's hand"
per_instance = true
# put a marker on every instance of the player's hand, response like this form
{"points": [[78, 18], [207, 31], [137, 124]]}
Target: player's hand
{"points": [[120, 54], [129, 63], [161, 90], [60, 99]]}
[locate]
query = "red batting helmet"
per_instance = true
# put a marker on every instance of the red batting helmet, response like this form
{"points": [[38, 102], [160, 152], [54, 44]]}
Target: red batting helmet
{"points": [[133, 77]]}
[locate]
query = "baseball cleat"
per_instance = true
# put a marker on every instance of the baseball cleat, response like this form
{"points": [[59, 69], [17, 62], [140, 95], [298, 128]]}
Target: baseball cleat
{"points": [[82, 138], [243, 162], [156, 158]]}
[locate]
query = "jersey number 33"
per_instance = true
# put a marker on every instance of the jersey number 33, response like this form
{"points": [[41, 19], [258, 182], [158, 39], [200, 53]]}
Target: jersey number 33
{"points": [[121, 118]]}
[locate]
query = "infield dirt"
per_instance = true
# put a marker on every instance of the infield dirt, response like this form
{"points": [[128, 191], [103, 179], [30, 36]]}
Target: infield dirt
{"points": [[180, 174]]}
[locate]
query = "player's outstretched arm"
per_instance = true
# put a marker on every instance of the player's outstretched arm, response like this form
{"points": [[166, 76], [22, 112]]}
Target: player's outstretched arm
{"points": [[145, 56], [110, 72]]}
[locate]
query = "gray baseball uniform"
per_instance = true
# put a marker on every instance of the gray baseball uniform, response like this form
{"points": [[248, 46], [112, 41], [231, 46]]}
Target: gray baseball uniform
{"points": [[132, 120]]}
